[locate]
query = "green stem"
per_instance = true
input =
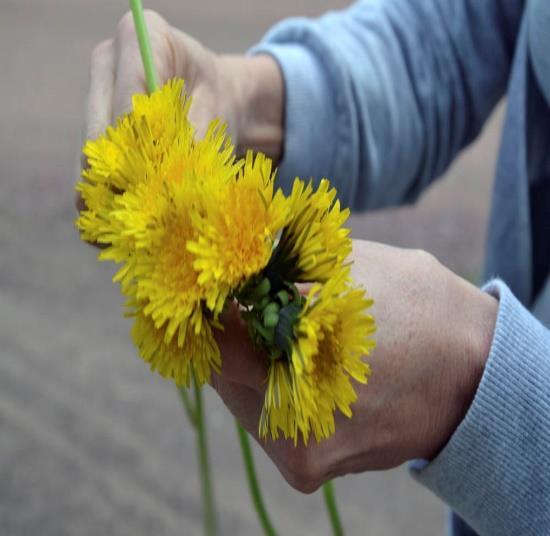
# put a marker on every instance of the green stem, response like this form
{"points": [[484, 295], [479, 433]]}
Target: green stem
{"points": [[196, 414], [253, 485], [188, 405], [209, 512], [144, 45], [328, 492]]}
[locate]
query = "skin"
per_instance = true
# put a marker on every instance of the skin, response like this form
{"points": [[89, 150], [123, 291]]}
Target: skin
{"points": [[434, 328]]}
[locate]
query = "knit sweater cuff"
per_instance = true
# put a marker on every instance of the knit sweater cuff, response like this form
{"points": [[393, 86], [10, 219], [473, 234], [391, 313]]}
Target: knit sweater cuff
{"points": [[495, 470]]}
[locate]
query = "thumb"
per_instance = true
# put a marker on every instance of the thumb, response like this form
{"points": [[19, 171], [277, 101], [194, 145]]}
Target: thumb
{"points": [[242, 363]]}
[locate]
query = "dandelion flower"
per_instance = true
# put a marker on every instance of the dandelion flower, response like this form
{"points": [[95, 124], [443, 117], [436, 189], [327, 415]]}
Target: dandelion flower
{"points": [[142, 189], [198, 351], [313, 245], [331, 338], [278, 413], [239, 226]]}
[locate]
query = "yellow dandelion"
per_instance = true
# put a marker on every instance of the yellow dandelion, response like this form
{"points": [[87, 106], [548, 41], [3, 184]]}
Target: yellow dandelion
{"points": [[93, 222], [136, 210], [142, 189], [156, 122], [129, 154], [197, 352], [106, 156], [129, 167], [313, 244], [173, 329], [160, 118], [151, 145], [278, 415], [164, 272], [331, 338], [239, 225]]}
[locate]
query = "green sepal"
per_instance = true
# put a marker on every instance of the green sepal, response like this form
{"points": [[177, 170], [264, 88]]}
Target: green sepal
{"points": [[271, 320], [283, 297], [284, 332]]}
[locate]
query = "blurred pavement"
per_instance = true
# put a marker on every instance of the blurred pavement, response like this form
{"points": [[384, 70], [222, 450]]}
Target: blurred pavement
{"points": [[91, 442]]}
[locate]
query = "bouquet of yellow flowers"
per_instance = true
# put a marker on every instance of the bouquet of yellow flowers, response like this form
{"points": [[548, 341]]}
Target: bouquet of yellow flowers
{"points": [[194, 229]]}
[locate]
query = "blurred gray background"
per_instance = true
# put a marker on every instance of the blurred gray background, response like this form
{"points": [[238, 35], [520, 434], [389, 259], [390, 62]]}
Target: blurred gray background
{"points": [[91, 442]]}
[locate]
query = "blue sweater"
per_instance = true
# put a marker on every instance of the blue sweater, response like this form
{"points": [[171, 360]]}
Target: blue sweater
{"points": [[381, 97]]}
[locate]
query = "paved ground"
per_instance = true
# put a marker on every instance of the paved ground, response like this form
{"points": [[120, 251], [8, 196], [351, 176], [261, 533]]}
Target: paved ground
{"points": [[90, 442]]}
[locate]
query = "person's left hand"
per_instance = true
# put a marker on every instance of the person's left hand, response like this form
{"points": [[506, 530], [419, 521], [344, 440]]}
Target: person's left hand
{"points": [[245, 92]]}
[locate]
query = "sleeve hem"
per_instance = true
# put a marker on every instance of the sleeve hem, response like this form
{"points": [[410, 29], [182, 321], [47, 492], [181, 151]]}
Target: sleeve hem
{"points": [[317, 126], [495, 470]]}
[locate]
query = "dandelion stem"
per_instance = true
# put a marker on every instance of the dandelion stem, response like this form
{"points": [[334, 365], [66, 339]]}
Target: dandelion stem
{"points": [[328, 492], [253, 485], [188, 405], [209, 511], [196, 413], [144, 45]]}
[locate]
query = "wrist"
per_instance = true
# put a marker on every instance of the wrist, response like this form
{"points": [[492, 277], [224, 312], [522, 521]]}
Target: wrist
{"points": [[470, 342], [480, 324], [257, 99]]}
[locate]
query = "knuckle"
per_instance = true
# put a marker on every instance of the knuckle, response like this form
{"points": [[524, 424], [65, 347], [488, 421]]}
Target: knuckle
{"points": [[125, 25], [307, 487], [153, 16], [101, 50], [94, 129], [303, 474], [423, 258]]}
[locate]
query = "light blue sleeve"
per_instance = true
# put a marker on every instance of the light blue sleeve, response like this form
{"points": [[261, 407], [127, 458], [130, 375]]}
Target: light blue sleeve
{"points": [[495, 470], [380, 97]]}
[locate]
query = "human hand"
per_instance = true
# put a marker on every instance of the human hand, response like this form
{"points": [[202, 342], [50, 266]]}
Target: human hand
{"points": [[245, 92], [433, 338]]}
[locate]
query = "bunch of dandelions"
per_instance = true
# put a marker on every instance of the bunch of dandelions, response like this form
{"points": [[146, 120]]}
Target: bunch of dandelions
{"points": [[192, 228]]}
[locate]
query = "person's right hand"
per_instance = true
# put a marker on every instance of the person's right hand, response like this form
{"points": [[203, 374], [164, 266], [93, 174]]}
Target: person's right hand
{"points": [[245, 92], [434, 334]]}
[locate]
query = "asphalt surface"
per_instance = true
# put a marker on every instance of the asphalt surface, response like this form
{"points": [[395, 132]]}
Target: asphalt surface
{"points": [[90, 441]]}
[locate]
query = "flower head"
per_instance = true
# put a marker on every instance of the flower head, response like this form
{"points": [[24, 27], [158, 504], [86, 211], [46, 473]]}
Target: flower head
{"points": [[313, 244], [144, 188], [239, 225], [331, 338], [192, 227], [178, 358]]}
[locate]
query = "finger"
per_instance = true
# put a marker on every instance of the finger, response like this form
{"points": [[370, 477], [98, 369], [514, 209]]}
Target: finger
{"points": [[130, 73], [202, 112], [129, 70], [241, 362], [100, 97], [129, 78], [129, 81], [199, 118], [243, 402]]}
